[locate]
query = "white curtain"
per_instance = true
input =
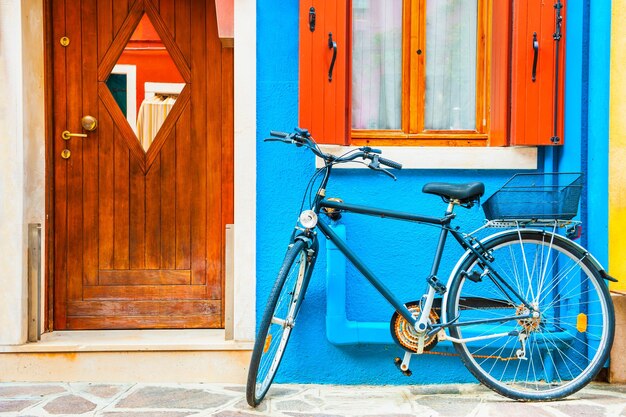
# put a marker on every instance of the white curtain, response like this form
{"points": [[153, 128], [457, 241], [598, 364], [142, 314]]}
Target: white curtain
{"points": [[152, 114], [376, 64], [451, 64]]}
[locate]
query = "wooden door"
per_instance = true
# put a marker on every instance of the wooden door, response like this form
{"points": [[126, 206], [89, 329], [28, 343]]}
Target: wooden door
{"points": [[138, 235]]}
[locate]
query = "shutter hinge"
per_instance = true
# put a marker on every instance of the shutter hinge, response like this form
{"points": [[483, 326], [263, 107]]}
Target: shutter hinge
{"points": [[555, 139], [559, 20]]}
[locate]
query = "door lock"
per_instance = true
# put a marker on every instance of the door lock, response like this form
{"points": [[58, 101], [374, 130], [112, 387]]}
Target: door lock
{"points": [[67, 135], [65, 153]]}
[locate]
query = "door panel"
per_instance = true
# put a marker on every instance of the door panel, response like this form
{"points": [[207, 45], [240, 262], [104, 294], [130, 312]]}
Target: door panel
{"points": [[138, 238]]}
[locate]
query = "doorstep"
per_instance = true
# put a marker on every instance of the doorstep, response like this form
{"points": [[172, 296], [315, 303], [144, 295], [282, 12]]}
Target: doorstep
{"points": [[124, 356], [130, 340]]}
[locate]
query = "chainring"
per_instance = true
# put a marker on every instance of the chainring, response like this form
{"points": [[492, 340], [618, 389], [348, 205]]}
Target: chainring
{"points": [[404, 333]]}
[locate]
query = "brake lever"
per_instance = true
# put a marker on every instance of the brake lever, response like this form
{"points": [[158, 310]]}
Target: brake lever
{"points": [[387, 172], [375, 165]]}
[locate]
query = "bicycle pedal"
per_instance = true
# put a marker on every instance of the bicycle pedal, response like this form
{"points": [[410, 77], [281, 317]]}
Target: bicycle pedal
{"points": [[398, 362], [437, 285]]}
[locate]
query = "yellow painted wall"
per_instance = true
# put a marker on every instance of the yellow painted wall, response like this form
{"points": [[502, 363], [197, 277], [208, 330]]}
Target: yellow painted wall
{"points": [[617, 147]]}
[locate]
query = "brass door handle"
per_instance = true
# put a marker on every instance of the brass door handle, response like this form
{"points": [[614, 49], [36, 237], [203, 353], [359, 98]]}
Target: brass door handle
{"points": [[67, 135]]}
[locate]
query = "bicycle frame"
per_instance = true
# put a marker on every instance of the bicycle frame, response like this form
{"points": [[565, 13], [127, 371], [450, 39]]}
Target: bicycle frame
{"points": [[420, 323]]}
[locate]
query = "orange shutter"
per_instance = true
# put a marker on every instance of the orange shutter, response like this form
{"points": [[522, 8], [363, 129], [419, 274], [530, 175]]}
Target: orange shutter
{"points": [[537, 106], [324, 104], [500, 43]]}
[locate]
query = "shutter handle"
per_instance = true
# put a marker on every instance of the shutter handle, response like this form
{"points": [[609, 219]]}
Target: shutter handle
{"points": [[332, 45], [312, 19], [536, 55]]}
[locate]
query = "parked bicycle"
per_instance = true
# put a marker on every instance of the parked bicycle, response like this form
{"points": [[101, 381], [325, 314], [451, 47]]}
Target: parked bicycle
{"points": [[527, 309]]}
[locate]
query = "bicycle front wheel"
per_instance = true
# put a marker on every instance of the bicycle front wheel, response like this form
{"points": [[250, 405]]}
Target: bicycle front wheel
{"points": [[278, 321], [542, 356]]}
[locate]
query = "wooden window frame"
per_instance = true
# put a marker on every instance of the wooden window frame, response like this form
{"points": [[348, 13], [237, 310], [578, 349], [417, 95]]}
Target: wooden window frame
{"points": [[412, 132]]}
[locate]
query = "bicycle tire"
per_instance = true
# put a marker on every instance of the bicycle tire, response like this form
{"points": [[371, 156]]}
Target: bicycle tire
{"points": [[285, 299], [564, 348]]}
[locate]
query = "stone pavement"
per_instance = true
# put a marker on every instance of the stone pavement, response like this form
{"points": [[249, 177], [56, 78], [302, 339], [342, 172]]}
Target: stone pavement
{"points": [[196, 400]]}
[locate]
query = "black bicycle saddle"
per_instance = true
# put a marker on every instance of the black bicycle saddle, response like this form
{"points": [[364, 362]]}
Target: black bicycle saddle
{"points": [[463, 192]]}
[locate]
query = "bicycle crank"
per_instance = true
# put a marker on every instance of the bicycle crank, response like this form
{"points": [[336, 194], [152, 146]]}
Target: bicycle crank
{"points": [[405, 334]]}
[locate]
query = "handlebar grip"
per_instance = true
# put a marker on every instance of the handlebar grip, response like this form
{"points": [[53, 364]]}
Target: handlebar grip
{"points": [[278, 134], [389, 163]]}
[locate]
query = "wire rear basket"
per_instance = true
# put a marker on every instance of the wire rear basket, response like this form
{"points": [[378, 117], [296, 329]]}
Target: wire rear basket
{"points": [[545, 196]]}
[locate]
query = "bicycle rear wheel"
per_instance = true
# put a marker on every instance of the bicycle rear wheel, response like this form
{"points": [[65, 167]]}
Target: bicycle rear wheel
{"points": [[534, 358], [278, 320]]}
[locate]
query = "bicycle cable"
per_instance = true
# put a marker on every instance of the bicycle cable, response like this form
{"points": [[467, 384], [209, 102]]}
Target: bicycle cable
{"points": [[310, 185], [321, 170]]}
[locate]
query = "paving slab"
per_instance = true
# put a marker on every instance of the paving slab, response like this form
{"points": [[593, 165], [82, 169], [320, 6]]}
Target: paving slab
{"points": [[228, 400], [16, 405], [28, 390], [168, 397], [69, 404], [101, 390]]}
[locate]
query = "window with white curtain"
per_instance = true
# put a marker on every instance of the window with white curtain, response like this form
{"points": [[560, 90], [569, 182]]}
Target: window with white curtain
{"points": [[418, 67], [376, 64], [450, 65]]}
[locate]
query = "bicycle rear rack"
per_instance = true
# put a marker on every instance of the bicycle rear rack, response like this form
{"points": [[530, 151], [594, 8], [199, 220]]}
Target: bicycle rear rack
{"points": [[572, 228], [543, 223]]}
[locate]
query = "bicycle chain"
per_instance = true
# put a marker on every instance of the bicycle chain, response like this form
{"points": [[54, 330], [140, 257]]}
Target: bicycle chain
{"points": [[432, 352], [406, 339]]}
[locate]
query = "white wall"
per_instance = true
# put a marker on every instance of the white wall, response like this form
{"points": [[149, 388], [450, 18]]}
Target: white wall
{"points": [[12, 259], [22, 194], [245, 170], [12, 296]]}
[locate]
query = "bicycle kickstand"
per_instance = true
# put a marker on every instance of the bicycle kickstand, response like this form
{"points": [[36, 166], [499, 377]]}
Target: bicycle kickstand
{"points": [[403, 364]]}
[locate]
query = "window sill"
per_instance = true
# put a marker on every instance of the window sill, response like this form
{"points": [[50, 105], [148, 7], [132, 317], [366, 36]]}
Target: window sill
{"points": [[513, 158]]}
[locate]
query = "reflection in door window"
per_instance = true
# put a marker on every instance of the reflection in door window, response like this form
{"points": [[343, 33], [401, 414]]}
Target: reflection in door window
{"points": [[145, 82], [117, 85]]}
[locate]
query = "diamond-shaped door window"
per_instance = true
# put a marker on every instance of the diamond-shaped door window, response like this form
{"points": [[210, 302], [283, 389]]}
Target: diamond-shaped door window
{"points": [[145, 82]]}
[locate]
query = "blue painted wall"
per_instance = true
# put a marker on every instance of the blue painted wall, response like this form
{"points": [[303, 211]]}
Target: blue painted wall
{"points": [[397, 250], [597, 144]]}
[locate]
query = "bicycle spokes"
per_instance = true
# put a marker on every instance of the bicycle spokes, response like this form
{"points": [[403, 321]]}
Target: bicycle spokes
{"points": [[552, 345]]}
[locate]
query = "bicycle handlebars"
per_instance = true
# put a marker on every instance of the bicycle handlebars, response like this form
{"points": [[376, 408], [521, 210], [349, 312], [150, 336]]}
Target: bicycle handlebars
{"points": [[302, 137]]}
